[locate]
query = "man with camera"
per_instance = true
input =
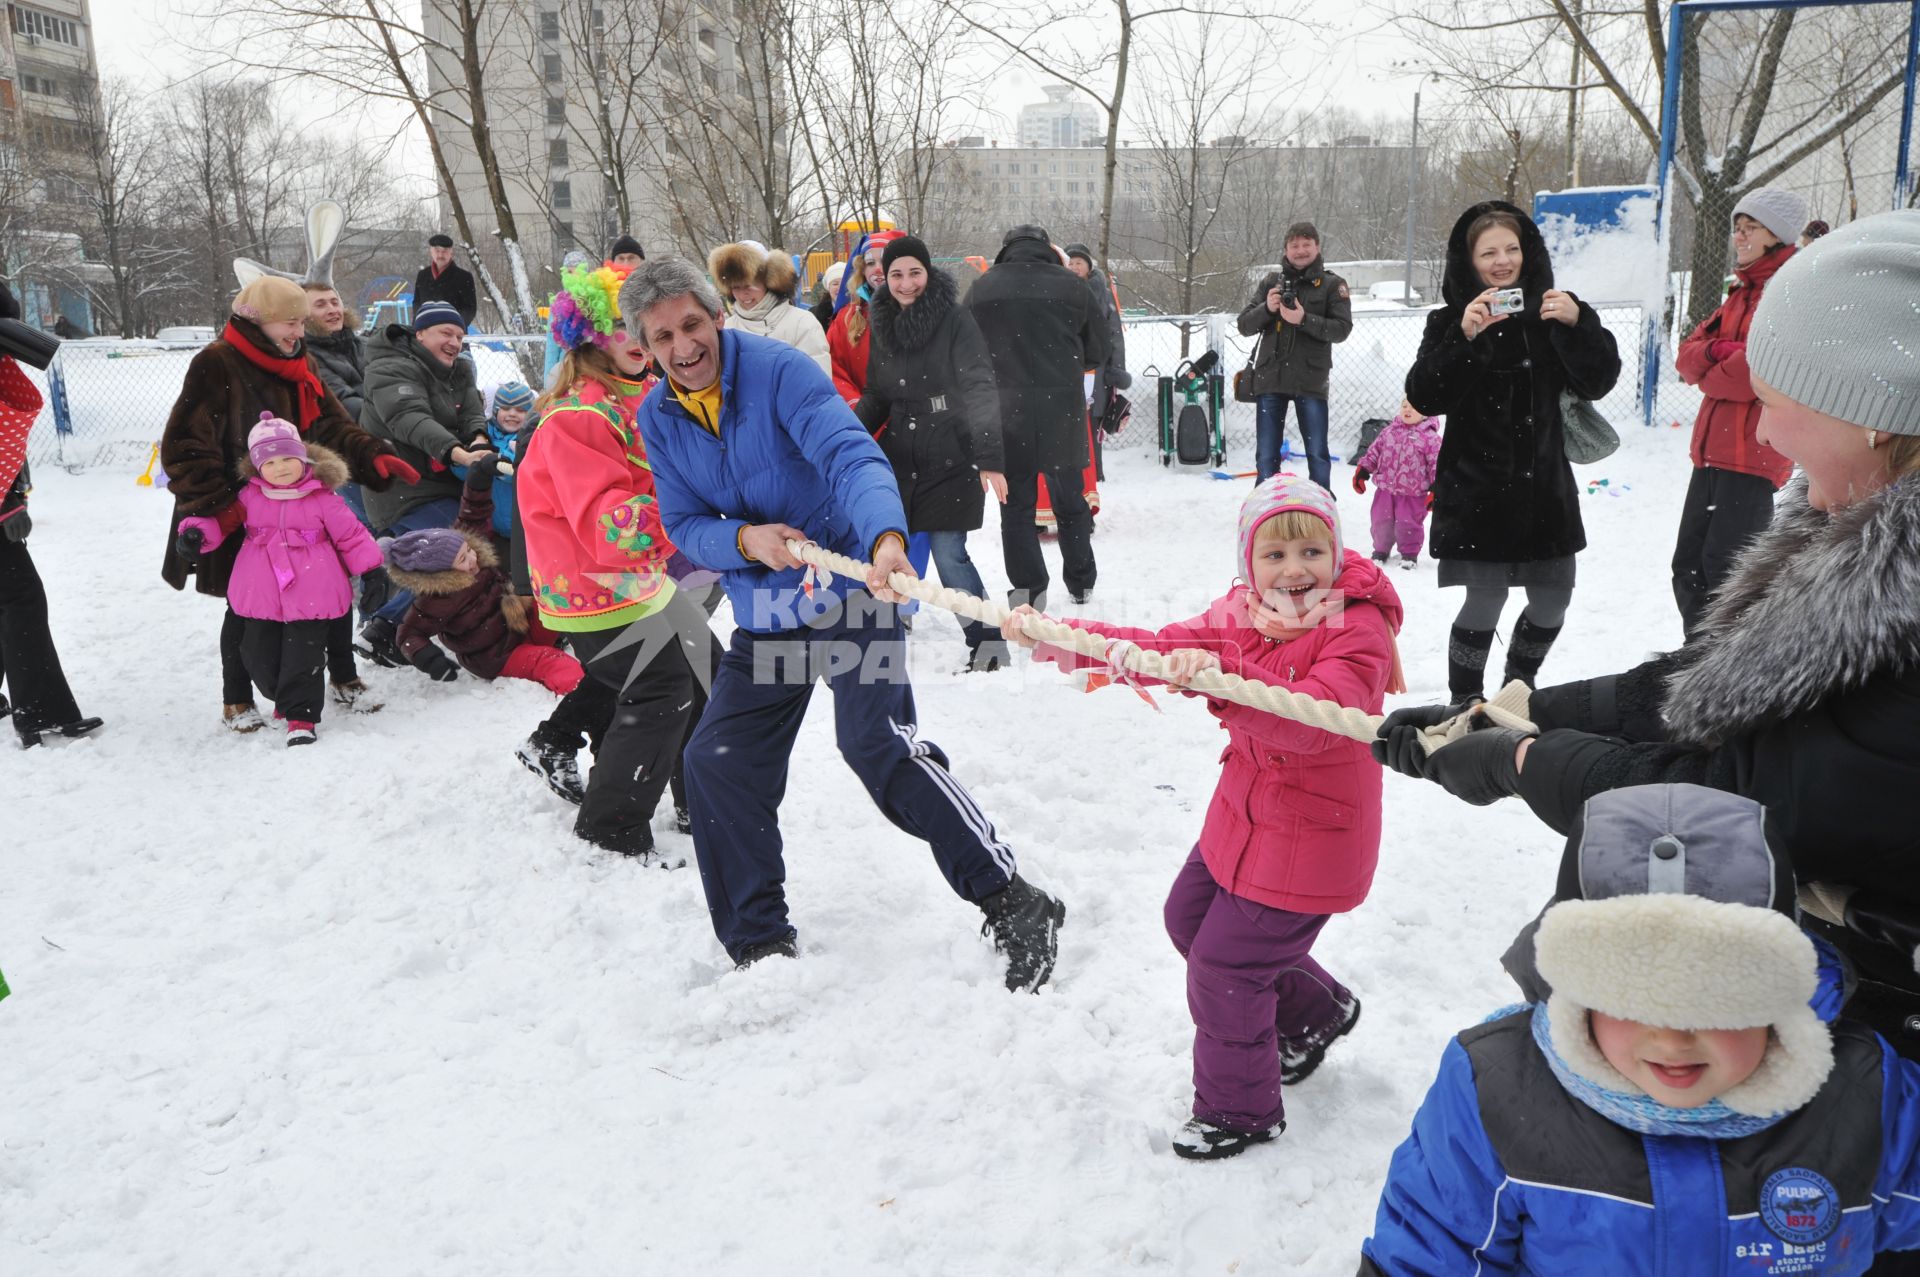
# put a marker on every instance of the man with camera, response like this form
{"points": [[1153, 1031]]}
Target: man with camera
{"points": [[1299, 313]]}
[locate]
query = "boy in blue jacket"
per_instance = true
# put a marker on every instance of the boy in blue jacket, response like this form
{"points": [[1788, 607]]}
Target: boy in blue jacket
{"points": [[1674, 1101]]}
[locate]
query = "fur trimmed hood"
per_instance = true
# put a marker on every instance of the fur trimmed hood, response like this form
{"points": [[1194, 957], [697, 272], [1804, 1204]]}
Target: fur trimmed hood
{"points": [[1818, 604], [909, 328], [329, 467], [732, 265], [452, 580]]}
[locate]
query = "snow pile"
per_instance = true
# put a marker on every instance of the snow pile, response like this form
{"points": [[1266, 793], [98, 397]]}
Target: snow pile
{"points": [[1613, 263], [367, 1007]]}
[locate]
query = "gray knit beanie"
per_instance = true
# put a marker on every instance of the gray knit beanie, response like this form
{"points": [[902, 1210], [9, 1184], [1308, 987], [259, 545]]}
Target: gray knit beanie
{"points": [[1782, 212], [1838, 328]]}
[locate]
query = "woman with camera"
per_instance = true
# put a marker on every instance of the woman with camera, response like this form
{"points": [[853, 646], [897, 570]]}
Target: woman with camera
{"points": [[1494, 361]]}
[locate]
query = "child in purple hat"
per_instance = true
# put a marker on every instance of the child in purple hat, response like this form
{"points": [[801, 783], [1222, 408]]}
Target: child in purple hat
{"points": [[292, 577]]}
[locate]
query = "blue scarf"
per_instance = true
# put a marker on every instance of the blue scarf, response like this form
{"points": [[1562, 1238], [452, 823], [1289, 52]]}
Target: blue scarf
{"points": [[1640, 1112]]}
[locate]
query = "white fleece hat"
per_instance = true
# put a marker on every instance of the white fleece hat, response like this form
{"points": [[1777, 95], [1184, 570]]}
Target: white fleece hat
{"points": [[1675, 909]]}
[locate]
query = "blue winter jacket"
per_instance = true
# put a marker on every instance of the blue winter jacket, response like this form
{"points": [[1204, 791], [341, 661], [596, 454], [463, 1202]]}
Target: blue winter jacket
{"points": [[508, 446], [789, 451], [1505, 1172]]}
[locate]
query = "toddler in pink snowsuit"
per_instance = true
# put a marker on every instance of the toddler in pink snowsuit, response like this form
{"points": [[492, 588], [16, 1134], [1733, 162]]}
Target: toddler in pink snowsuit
{"points": [[1401, 463], [303, 544]]}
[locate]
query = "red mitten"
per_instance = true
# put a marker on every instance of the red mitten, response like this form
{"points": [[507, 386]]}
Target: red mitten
{"points": [[1722, 349], [388, 466], [1360, 481], [1429, 501]]}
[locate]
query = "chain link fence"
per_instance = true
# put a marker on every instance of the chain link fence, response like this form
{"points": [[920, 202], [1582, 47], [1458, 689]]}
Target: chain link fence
{"points": [[108, 400]]}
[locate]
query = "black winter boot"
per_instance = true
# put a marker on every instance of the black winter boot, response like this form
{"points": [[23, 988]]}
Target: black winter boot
{"points": [[1200, 1141], [380, 643], [781, 948], [1467, 662], [554, 764], [1527, 650], [1024, 922], [1300, 1056]]}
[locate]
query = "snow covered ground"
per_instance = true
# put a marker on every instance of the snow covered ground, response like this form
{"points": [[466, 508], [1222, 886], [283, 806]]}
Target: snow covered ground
{"points": [[368, 1008]]}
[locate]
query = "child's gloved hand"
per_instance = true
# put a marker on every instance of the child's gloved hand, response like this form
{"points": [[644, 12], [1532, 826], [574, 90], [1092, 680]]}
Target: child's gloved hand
{"points": [[1184, 663], [481, 473], [388, 466], [1722, 349], [1013, 628], [197, 535], [433, 662], [1360, 480]]}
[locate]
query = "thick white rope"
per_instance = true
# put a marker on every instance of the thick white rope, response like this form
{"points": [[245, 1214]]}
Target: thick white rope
{"points": [[1507, 709]]}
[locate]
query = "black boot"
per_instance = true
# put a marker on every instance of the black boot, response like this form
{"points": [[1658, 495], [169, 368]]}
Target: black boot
{"points": [[1467, 662], [31, 736], [1024, 922], [1527, 650], [554, 764], [1200, 1141], [1300, 1056], [762, 949], [381, 640]]}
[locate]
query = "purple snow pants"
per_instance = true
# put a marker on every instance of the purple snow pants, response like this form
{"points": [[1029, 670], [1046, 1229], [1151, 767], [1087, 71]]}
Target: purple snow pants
{"points": [[1399, 518], [1248, 980]]}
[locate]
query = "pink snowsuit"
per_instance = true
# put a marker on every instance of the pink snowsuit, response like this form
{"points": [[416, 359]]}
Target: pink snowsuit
{"points": [[1402, 461]]}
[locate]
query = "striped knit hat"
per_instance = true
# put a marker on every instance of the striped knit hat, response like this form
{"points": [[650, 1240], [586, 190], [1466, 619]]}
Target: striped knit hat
{"points": [[1278, 495], [513, 394]]}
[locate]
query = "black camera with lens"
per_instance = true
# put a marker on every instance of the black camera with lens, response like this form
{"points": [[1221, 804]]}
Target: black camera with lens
{"points": [[1288, 295]]}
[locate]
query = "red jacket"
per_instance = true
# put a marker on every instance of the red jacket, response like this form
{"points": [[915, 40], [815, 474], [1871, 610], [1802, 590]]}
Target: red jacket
{"points": [[1723, 433], [849, 356], [1295, 820], [596, 551]]}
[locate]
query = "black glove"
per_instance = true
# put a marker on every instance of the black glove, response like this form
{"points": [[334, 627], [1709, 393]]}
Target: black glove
{"points": [[481, 473], [433, 662], [1478, 768], [9, 306], [1397, 743], [187, 544], [17, 527]]}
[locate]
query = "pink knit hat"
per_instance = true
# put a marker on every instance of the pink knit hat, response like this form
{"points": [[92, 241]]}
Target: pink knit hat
{"points": [[273, 437], [1281, 493]]}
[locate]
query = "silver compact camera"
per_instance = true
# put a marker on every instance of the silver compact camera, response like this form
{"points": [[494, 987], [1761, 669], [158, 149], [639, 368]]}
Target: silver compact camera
{"points": [[1508, 301]]}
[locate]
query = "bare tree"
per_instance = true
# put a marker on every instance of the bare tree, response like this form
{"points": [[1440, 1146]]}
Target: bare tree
{"points": [[124, 154]]}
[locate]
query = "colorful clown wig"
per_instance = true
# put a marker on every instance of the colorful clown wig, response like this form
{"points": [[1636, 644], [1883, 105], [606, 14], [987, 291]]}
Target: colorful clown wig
{"points": [[587, 307]]}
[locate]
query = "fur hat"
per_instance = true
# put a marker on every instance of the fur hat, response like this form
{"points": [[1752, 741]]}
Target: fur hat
{"points": [[747, 262], [271, 437], [512, 394], [906, 246], [1676, 908], [271, 299], [1278, 495], [1782, 212], [423, 550], [586, 310], [626, 244]]}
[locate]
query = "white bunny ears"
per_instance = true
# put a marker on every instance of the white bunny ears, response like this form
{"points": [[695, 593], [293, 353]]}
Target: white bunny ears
{"points": [[325, 222]]}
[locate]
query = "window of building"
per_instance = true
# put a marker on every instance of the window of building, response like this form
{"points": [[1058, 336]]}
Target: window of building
{"points": [[40, 84], [1053, 168], [549, 24], [562, 193], [708, 39], [36, 26], [996, 170], [557, 150], [563, 232], [1033, 170], [1053, 188], [1073, 188], [556, 110], [551, 68], [1013, 188], [711, 78]]}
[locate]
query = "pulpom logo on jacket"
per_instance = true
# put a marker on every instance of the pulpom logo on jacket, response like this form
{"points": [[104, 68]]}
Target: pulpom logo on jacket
{"points": [[1799, 1206]]}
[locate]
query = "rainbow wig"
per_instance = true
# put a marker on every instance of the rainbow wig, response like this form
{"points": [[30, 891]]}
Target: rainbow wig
{"points": [[587, 307]]}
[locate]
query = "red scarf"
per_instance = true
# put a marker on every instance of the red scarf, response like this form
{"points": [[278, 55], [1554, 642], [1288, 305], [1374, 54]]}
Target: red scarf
{"points": [[293, 368]]}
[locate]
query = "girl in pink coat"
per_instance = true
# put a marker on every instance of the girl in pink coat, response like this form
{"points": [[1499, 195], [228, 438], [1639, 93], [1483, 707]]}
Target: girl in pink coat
{"points": [[293, 574], [1401, 463], [1293, 831]]}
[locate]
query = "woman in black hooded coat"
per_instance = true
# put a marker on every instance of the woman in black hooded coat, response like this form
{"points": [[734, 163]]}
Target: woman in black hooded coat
{"points": [[1506, 511], [930, 400]]}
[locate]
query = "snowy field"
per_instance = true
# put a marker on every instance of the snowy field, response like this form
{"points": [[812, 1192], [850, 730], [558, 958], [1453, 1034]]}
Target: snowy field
{"points": [[368, 1008]]}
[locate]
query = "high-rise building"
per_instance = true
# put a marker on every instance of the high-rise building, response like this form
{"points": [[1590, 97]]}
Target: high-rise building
{"points": [[1065, 119]]}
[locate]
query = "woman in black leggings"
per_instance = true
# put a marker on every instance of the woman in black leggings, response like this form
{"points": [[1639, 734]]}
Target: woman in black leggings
{"points": [[1506, 511]]}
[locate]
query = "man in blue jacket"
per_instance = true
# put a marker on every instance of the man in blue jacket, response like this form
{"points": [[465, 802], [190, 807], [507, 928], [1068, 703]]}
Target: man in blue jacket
{"points": [[752, 447], [1675, 1100]]}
